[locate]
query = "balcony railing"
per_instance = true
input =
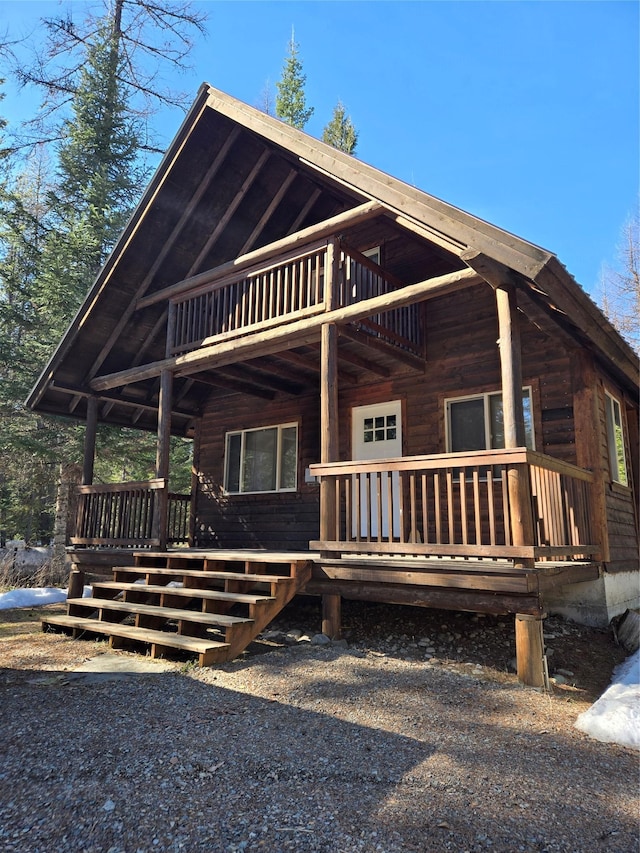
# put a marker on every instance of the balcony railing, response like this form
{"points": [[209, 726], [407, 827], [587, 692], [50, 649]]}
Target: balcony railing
{"points": [[457, 505], [129, 515], [292, 288]]}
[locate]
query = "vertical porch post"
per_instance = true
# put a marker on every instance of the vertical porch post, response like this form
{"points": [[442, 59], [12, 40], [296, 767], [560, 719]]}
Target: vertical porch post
{"points": [[529, 637], [329, 430], [90, 431], [162, 452]]}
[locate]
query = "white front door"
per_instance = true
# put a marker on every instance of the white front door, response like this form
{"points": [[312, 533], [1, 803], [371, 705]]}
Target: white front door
{"points": [[377, 434]]}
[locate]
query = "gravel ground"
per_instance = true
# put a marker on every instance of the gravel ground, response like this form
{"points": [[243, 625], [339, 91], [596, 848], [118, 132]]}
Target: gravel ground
{"points": [[400, 740]]}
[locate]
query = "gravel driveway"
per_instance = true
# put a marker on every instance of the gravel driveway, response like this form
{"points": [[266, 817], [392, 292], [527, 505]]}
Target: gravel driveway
{"points": [[301, 748]]}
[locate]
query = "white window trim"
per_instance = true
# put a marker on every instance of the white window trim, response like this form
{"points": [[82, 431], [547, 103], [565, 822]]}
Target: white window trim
{"points": [[614, 462], [242, 433], [526, 389]]}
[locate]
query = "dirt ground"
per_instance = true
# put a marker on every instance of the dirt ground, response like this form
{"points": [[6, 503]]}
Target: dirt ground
{"points": [[456, 640], [410, 736]]}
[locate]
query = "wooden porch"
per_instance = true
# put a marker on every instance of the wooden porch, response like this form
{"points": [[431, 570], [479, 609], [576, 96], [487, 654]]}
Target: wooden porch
{"points": [[215, 603], [435, 531]]}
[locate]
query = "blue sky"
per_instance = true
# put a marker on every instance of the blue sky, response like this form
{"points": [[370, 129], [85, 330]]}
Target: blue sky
{"points": [[522, 112]]}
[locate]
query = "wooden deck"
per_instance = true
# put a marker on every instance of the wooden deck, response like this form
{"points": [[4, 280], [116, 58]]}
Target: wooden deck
{"points": [[214, 603]]}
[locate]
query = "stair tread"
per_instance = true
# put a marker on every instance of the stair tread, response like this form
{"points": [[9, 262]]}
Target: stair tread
{"points": [[156, 610], [185, 591], [145, 635], [197, 573]]}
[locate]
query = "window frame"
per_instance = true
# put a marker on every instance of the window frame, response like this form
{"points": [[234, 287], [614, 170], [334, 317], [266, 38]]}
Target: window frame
{"points": [[278, 473], [527, 390], [615, 470]]}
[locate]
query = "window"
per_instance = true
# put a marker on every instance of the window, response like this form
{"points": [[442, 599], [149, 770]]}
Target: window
{"points": [[262, 460], [381, 428], [373, 254], [477, 423], [615, 440]]}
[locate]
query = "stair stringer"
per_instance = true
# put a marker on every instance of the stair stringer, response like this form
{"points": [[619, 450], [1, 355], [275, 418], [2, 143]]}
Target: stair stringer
{"points": [[239, 636]]}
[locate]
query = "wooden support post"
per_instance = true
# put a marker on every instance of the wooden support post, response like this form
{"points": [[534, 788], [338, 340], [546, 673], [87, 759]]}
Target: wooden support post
{"points": [[530, 650], [162, 453], [589, 443], [329, 429], [90, 441], [76, 583], [518, 479], [331, 616]]}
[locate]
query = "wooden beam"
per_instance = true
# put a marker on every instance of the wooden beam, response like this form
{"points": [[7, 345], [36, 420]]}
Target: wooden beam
{"points": [[167, 246], [233, 384], [90, 441], [164, 425], [117, 401], [332, 616], [364, 363], [511, 367], [313, 365], [304, 211], [415, 362], [474, 601], [290, 243], [329, 427], [290, 335], [230, 210], [589, 442], [530, 650], [261, 379], [273, 204], [518, 476]]}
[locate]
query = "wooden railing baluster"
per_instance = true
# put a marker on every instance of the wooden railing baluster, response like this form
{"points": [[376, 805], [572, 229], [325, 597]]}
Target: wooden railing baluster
{"points": [[471, 510]]}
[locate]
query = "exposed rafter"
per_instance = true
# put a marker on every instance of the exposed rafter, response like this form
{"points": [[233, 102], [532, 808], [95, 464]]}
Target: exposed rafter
{"points": [[292, 335]]}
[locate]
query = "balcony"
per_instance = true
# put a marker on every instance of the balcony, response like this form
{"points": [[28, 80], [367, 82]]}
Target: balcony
{"points": [[292, 288]]}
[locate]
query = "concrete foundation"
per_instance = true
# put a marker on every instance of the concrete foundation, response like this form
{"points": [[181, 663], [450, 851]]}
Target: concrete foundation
{"points": [[597, 602]]}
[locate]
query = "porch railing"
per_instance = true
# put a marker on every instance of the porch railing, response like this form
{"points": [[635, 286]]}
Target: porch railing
{"points": [[291, 288], [457, 505], [128, 515]]}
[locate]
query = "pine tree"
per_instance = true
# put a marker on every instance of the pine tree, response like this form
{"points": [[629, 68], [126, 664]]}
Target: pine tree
{"points": [[291, 104], [50, 252], [340, 131]]}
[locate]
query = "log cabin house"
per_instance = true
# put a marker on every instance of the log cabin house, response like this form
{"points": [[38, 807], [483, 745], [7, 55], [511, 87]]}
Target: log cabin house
{"points": [[389, 400]]}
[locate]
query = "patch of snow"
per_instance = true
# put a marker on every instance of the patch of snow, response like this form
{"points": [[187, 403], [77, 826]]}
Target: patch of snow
{"points": [[615, 717], [32, 597]]}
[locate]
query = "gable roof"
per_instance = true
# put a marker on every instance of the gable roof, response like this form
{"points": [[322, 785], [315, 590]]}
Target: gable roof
{"points": [[235, 179]]}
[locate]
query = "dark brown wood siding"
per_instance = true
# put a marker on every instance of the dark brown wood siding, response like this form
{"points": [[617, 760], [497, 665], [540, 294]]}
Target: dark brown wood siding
{"points": [[462, 358]]}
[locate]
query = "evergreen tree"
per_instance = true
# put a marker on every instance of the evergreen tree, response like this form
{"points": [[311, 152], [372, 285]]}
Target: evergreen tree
{"points": [[340, 131], [153, 39], [98, 180], [54, 240], [291, 103]]}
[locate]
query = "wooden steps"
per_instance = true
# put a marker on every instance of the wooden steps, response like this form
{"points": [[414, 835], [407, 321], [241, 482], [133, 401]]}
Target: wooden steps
{"points": [[215, 614], [160, 641]]}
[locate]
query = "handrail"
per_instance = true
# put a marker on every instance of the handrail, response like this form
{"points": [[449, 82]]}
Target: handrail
{"points": [[457, 504], [128, 515], [293, 286]]}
